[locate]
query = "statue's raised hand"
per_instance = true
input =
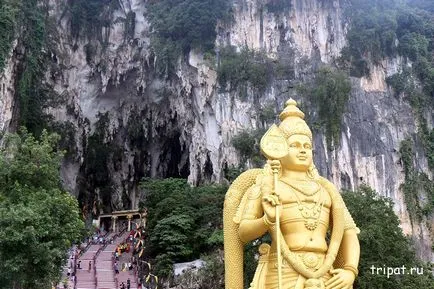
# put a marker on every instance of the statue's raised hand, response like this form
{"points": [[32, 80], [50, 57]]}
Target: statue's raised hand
{"points": [[269, 200], [342, 279]]}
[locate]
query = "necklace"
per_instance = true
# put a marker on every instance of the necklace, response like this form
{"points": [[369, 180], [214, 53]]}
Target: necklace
{"points": [[310, 214], [306, 188]]}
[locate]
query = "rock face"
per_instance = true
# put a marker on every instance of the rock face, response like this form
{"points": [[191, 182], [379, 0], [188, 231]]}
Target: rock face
{"points": [[313, 29], [7, 90], [183, 126]]}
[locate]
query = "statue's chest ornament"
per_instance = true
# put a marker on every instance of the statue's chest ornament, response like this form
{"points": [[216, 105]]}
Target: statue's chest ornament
{"points": [[310, 212]]}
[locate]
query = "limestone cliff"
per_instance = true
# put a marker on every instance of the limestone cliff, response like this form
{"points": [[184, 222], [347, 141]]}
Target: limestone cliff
{"points": [[182, 126]]}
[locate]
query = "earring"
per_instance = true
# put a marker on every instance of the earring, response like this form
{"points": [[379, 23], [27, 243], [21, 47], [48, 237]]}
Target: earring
{"points": [[311, 172]]}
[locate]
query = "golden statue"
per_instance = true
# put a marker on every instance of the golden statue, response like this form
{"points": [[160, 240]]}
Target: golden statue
{"points": [[292, 202]]}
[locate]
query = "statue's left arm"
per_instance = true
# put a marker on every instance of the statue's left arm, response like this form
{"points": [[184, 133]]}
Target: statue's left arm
{"points": [[348, 257], [350, 247], [347, 260]]}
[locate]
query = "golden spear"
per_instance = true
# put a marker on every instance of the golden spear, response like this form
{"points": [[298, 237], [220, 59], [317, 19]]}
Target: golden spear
{"points": [[275, 147]]}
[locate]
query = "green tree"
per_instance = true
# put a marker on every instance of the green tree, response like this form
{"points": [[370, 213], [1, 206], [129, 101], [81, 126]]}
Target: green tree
{"points": [[330, 92], [181, 25], [38, 220], [247, 144], [171, 238], [239, 70], [372, 34], [183, 222], [382, 243], [89, 16], [28, 23], [8, 13], [416, 183]]}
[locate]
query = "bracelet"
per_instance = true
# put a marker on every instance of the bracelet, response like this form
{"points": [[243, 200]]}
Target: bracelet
{"points": [[352, 269], [267, 222]]}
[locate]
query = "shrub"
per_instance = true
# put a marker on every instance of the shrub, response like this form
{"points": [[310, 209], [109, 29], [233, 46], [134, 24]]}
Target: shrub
{"points": [[239, 70], [181, 25], [8, 18], [247, 144], [382, 243], [329, 92], [89, 16], [183, 222]]}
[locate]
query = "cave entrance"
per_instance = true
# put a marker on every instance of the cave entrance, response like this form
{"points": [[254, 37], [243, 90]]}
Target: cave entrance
{"points": [[176, 156]]}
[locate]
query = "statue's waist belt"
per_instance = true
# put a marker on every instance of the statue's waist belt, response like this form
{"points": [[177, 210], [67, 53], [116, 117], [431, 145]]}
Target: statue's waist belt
{"points": [[311, 260]]}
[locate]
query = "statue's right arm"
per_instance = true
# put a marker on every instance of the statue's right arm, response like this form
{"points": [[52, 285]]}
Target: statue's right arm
{"points": [[252, 225]]}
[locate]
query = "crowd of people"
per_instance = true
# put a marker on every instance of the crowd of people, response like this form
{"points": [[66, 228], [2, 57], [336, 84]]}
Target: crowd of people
{"points": [[132, 244], [99, 237], [122, 248], [125, 247], [122, 285]]}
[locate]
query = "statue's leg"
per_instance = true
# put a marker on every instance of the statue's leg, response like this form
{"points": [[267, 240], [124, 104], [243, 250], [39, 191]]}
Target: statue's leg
{"points": [[289, 276], [258, 281]]}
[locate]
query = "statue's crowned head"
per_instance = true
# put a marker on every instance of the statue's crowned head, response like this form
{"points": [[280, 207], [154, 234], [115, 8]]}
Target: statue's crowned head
{"points": [[298, 136], [292, 121], [291, 141]]}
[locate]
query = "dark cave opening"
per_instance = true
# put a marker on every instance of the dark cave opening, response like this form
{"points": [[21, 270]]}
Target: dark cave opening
{"points": [[208, 169], [175, 156]]}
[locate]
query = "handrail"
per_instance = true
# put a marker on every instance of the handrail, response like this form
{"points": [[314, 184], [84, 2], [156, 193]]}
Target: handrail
{"points": [[116, 275], [118, 234], [94, 268], [98, 251], [75, 271], [136, 274], [82, 251], [85, 248]]}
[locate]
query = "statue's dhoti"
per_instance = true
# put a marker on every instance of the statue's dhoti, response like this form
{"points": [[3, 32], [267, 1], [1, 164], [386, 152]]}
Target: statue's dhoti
{"points": [[290, 278]]}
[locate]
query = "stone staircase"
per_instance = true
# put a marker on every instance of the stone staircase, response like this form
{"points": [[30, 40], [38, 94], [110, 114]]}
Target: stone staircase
{"points": [[85, 279], [104, 268], [101, 274], [104, 272]]}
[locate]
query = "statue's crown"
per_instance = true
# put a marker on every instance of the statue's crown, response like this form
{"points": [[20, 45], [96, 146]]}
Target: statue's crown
{"points": [[291, 109], [292, 120]]}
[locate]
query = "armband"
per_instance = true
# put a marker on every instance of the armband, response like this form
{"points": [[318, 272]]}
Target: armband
{"points": [[352, 269], [267, 222]]}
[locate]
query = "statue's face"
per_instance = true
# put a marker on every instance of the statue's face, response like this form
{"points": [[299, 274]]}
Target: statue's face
{"points": [[299, 157]]}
